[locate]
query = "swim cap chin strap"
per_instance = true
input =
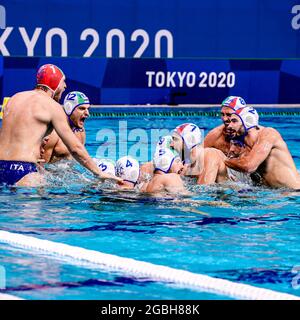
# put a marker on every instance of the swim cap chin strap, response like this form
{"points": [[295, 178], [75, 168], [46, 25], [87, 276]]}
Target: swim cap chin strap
{"points": [[73, 125], [133, 182]]}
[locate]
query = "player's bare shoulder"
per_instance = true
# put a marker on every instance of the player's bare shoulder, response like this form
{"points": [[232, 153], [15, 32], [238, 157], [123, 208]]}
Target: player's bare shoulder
{"points": [[269, 133], [213, 152], [19, 98], [46, 108], [213, 135], [217, 131]]}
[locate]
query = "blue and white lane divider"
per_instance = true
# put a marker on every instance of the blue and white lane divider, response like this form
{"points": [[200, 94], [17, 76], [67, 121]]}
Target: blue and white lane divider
{"points": [[127, 266]]}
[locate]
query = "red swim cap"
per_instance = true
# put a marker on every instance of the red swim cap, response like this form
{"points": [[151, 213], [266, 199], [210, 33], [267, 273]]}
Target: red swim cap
{"points": [[49, 76]]}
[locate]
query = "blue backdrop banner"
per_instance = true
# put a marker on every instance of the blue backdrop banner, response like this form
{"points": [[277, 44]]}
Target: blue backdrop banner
{"points": [[151, 29], [163, 81]]}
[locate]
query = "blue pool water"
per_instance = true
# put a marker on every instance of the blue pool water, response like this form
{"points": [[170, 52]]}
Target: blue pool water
{"points": [[255, 240]]}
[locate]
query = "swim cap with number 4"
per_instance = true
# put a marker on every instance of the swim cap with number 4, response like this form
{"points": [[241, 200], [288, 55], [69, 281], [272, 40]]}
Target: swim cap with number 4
{"points": [[128, 169]]}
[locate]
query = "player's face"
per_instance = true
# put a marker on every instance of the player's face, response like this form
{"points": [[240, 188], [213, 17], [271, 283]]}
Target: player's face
{"points": [[236, 149], [235, 128], [226, 113], [177, 166], [80, 114], [61, 88], [176, 142]]}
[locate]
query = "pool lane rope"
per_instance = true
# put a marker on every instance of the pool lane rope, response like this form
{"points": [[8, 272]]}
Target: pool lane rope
{"points": [[184, 113], [144, 270]]}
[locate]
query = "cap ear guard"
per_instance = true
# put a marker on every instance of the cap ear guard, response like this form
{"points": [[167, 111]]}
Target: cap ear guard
{"points": [[73, 100], [190, 140], [190, 134], [163, 159], [68, 107], [249, 117], [128, 169]]}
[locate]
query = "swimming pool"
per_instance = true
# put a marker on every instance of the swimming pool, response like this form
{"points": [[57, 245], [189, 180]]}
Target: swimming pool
{"points": [[255, 240]]}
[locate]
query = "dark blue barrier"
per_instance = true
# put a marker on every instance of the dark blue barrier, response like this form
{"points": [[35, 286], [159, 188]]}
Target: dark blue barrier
{"points": [[228, 29], [163, 81]]}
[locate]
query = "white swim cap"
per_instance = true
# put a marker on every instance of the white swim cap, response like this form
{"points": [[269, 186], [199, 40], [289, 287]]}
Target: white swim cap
{"points": [[128, 169], [234, 103], [249, 117], [190, 134], [164, 158], [73, 100], [164, 142], [106, 165]]}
